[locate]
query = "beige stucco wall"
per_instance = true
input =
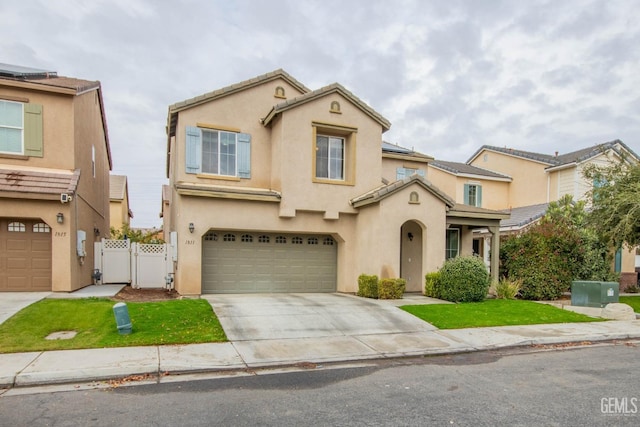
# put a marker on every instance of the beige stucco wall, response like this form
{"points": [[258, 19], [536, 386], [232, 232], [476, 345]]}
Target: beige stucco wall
{"points": [[390, 165], [60, 233], [529, 185], [210, 213], [240, 111], [495, 194], [71, 125]]}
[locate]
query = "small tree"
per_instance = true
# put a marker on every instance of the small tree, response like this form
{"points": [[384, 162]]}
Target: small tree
{"points": [[615, 200]]}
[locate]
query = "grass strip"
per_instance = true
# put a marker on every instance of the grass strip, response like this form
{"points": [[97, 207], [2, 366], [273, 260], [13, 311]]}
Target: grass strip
{"points": [[153, 323], [496, 312], [634, 302]]}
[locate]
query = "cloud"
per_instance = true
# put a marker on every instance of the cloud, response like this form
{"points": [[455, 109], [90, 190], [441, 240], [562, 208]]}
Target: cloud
{"points": [[450, 76]]}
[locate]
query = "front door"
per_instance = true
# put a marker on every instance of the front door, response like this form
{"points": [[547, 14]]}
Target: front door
{"points": [[411, 255]]}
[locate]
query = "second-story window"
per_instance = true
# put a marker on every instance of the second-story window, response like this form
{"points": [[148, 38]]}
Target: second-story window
{"points": [[473, 195], [11, 126], [219, 152], [329, 157]]}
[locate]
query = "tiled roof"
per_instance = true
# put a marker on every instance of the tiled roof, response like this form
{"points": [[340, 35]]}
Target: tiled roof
{"points": [[525, 215], [117, 187], [377, 194], [332, 88], [39, 182], [561, 159], [463, 168]]}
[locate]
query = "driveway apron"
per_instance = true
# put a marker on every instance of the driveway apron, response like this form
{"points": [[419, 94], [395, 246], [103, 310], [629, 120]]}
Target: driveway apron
{"points": [[13, 302], [251, 317]]}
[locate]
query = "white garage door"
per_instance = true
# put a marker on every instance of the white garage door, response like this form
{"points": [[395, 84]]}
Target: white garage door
{"points": [[248, 262]]}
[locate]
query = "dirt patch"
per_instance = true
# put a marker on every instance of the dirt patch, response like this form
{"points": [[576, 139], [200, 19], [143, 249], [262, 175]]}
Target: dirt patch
{"points": [[143, 295]]}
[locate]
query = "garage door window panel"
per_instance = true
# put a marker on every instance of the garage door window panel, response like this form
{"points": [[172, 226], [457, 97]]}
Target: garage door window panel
{"points": [[17, 227]]}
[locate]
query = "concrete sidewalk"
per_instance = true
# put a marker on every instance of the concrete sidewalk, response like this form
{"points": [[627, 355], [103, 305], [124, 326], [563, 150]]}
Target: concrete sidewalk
{"points": [[316, 335]]}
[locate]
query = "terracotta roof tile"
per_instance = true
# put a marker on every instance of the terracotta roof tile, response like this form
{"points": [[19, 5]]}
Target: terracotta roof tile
{"points": [[29, 181]]}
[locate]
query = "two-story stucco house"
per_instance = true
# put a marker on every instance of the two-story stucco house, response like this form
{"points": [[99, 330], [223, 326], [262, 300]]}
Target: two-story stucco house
{"points": [[54, 179], [537, 179], [274, 187]]}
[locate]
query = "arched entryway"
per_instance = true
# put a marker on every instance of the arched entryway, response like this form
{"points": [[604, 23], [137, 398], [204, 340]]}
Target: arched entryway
{"points": [[411, 255]]}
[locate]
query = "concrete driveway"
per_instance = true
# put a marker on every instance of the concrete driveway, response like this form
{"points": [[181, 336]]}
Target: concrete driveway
{"points": [[13, 302], [252, 317]]}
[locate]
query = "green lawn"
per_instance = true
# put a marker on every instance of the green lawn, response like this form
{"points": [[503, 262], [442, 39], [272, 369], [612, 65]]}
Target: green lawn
{"points": [[496, 312], [634, 302], [167, 322]]}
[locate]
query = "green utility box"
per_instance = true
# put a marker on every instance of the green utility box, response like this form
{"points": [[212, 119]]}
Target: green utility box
{"points": [[594, 294]]}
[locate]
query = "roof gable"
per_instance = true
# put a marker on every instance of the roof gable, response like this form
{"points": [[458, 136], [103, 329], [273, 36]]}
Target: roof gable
{"points": [[229, 90], [378, 194], [322, 92]]}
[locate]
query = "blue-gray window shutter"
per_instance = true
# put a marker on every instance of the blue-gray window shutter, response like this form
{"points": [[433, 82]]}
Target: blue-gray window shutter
{"points": [[193, 150], [479, 196], [466, 194], [244, 155], [400, 173]]}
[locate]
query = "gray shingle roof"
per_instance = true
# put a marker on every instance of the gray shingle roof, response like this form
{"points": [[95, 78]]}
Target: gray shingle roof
{"points": [[561, 159], [463, 168], [524, 215]]}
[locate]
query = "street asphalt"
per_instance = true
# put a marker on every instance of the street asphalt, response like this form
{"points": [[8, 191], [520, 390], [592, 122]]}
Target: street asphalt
{"points": [[270, 331]]}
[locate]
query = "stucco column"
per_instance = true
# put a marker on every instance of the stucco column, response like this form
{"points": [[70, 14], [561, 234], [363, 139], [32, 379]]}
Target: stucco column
{"points": [[495, 253]]}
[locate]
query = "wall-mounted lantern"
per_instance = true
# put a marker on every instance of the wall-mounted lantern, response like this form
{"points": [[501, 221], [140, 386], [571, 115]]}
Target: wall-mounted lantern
{"points": [[60, 217], [191, 227]]}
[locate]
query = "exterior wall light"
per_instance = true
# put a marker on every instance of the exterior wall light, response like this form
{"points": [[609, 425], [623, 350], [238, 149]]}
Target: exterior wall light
{"points": [[191, 227], [60, 217]]}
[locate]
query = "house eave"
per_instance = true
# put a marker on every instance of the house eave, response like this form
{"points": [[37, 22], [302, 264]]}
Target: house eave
{"points": [[222, 192]]}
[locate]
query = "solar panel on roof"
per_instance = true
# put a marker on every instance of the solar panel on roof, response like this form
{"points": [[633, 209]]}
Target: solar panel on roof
{"points": [[17, 71]]}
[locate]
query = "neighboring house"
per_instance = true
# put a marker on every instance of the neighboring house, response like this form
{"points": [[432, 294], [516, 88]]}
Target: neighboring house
{"points": [[54, 179], [119, 211], [538, 179], [274, 187]]}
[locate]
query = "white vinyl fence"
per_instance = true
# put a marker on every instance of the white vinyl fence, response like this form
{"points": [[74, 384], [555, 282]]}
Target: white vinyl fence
{"points": [[140, 264]]}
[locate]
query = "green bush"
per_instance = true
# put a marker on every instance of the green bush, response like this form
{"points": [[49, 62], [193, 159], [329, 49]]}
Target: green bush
{"points": [[508, 289], [463, 279], [391, 288], [430, 280], [368, 286]]}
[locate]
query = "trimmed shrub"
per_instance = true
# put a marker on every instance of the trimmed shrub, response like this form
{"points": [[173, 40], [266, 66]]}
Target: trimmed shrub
{"points": [[463, 279], [508, 289], [391, 288], [368, 286], [430, 280]]}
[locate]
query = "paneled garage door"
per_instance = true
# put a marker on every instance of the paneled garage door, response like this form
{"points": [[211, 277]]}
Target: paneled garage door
{"points": [[246, 262], [25, 255]]}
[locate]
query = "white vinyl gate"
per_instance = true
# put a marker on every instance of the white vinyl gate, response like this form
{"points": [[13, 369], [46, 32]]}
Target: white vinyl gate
{"points": [[140, 264]]}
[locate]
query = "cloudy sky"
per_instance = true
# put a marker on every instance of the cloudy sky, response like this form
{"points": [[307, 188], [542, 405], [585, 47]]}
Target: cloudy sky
{"points": [[450, 75]]}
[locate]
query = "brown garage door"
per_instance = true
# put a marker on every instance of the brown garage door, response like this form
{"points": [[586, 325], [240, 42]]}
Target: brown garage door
{"points": [[25, 255]]}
